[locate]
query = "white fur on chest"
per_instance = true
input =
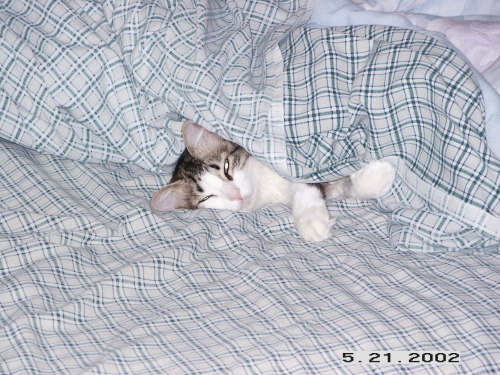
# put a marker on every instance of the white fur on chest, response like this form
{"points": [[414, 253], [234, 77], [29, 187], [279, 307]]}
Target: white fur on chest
{"points": [[272, 187], [269, 186]]}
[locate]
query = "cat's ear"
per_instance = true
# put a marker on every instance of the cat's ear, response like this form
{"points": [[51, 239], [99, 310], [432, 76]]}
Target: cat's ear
{"points": [[198, 141], [172, 197]]}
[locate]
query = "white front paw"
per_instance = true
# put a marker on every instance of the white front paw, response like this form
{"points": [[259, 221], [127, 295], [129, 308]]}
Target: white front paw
{"points": [[314, 224], [373, 180]]}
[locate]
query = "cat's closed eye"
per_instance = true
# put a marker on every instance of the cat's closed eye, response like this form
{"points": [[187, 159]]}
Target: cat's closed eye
{"points": [[206, 198]]}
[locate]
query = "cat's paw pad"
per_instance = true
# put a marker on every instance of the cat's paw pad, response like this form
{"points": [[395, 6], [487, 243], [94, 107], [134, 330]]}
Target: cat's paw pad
{"points": [[314, 224], [373, 180]]}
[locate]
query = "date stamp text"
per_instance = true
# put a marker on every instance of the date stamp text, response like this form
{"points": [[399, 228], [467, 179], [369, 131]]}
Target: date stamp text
{"points": [[403, 357]]}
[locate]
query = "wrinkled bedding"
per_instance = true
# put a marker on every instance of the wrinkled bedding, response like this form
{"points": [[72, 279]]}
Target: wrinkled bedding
{"points": [[470, 27], [92, 99], [473, 27]]}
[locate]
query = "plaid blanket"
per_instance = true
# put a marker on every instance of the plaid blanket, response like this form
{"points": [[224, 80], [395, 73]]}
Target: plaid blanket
{"points": [[361, 93], [106, 81], [112, 83], [91, 282], [92, 97]]}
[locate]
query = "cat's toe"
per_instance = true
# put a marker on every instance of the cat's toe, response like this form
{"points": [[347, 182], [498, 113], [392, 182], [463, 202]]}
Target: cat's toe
{"points": [[374, 180], [314, 224]]}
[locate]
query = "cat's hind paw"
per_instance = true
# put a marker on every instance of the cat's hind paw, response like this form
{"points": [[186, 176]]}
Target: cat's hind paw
{"points": [[373, 180], [314, 224]]}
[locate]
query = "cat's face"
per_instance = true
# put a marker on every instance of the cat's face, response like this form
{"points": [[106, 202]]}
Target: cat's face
{"points": [[211, 173]]}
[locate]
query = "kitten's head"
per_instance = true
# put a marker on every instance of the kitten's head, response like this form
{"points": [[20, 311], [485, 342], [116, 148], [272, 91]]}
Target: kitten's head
{"points": [[209, 174]]}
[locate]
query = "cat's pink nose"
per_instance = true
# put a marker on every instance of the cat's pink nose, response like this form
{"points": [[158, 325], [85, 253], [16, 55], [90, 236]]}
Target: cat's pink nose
{"points": [[236, 197], [234, 194]]}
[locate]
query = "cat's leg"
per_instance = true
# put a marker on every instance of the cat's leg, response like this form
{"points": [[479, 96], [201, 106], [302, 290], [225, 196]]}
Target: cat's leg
{"points": [[310, 213], [372, 181]]}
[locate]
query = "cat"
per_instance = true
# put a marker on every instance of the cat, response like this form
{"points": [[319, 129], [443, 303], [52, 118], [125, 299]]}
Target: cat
{"points": [[215, 173]]}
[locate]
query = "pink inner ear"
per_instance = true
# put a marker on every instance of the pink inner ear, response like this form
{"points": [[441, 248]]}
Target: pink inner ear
{"points": [[193, 134], [198, 140], [168, 198]]}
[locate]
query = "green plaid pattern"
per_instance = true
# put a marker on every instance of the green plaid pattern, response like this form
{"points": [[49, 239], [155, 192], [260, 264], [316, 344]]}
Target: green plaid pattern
{"points": [[107, 82], [354, 94], [92, 282], [92, 97], [112, 83]]}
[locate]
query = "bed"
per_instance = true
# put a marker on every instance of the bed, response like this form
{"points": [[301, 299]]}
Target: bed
{"points": [[93, 95]]}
